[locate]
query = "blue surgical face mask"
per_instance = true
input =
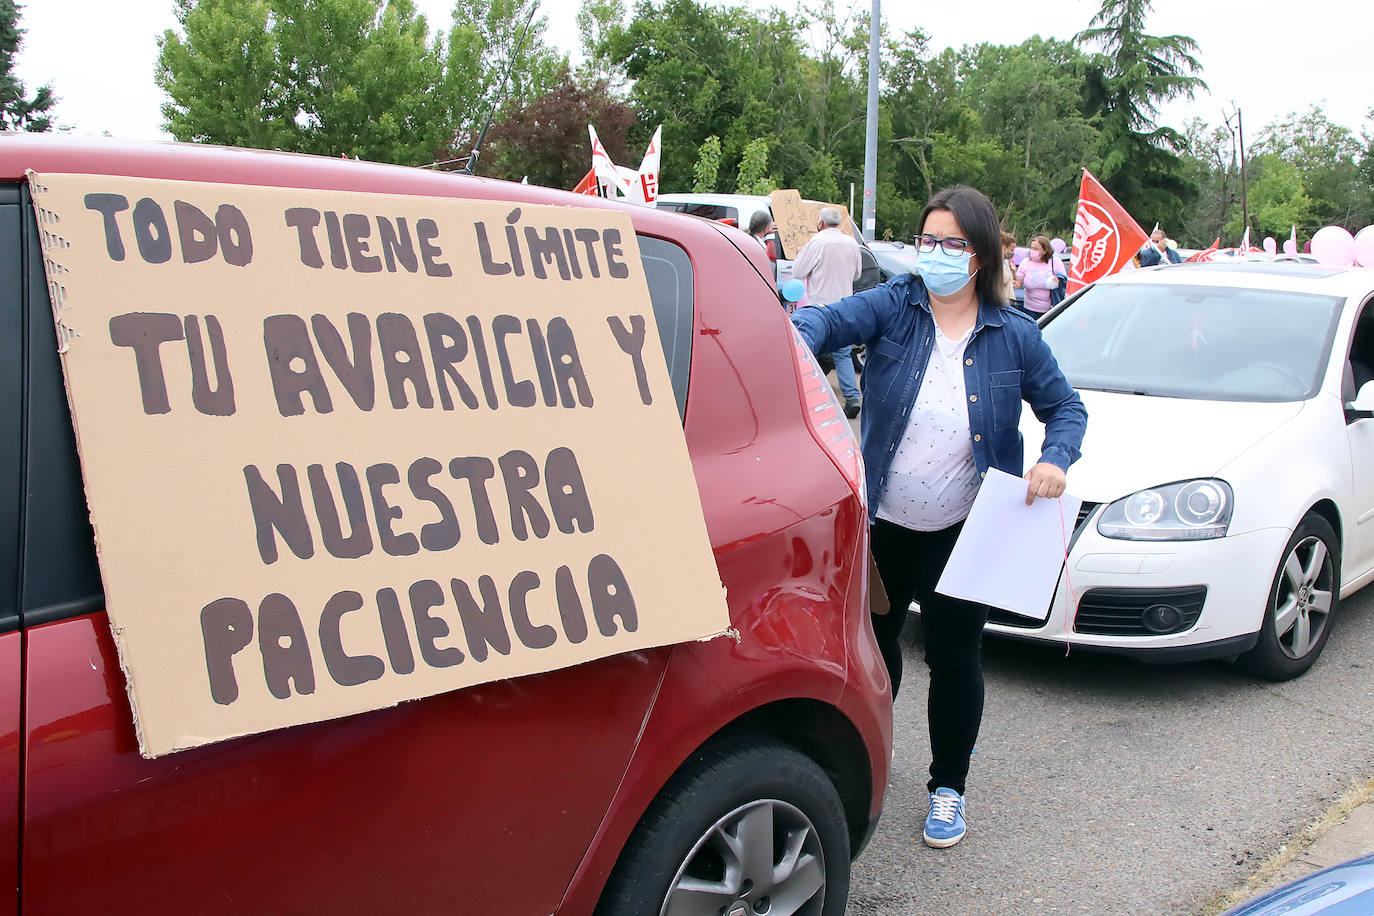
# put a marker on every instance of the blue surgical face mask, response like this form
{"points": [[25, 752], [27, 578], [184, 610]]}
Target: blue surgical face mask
{"points": [[944, 274]]}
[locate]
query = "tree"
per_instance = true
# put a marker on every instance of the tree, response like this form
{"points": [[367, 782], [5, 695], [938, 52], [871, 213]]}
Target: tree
{"points": [[707, 168], [726, 72], [1326, 159], [17, 111], [753, 170], [1210, 162], [1124, 89], [546, 139], [341, 77], [481, 48], [1276, 197], [596, 19]]}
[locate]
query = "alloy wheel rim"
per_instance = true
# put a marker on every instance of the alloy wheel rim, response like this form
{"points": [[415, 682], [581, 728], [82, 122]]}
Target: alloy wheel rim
{"points": [[1302, 604], [764, 857]]}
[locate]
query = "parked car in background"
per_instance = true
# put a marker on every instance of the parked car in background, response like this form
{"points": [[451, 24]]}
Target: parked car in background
{"points": [[743, 772], [1228, 469], [894, 258]]}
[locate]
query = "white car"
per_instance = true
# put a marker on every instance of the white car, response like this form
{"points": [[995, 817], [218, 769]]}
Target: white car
{"points": [[1228, 467]]}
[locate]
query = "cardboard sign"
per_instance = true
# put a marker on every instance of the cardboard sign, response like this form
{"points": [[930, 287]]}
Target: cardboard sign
{"points": [[797, 219], [344, 450]]}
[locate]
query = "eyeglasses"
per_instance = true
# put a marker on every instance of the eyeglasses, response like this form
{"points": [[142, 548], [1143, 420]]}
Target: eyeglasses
{"points": [[950, 246]]}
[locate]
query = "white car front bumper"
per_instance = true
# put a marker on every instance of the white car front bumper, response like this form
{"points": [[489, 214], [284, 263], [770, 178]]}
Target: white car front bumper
{"points": [[1237, 572]]}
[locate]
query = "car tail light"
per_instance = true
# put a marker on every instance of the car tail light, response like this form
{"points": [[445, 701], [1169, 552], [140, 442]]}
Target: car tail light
{"points": [[826, 418]]}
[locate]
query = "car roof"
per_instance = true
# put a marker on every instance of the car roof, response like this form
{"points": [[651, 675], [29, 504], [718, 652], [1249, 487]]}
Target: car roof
{"points": [[21, 152], [1286, 276], [758, 201]]}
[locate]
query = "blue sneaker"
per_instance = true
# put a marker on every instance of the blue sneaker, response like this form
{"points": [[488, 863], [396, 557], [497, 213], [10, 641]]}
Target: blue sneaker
{"points": [[945, 823]]}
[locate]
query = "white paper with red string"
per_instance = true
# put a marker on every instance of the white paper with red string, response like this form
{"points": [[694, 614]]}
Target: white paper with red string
{"points": [[1009, 554]]}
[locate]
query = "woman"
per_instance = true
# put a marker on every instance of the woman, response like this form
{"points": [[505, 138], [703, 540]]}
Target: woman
{"points": [[1038, 277], [949, 365]]}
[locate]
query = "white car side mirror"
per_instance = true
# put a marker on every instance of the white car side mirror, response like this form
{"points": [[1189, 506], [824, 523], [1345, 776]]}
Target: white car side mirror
{"points": [[1364, 400]]}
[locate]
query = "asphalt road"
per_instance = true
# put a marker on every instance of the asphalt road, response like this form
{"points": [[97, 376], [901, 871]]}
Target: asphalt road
{"points": [[1106, 786]]}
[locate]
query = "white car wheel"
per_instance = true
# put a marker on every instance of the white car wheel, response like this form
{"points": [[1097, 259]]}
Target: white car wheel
{"points": [[1302, 600]]}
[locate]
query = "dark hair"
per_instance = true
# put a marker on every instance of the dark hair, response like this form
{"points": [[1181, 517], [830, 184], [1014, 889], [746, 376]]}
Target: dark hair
{"points": [[1044, 241], [978, 219], [759, 221]]}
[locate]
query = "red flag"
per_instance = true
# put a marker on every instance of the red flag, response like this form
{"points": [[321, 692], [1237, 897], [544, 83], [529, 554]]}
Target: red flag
{"points": [[1207, 254], [1105, 238], [587, 185]]}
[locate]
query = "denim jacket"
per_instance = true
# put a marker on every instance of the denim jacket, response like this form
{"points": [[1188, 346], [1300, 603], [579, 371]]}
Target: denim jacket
{"points": [[1006, 360]]}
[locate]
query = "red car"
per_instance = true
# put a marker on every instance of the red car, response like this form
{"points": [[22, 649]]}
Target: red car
{"points": [[728, 776]]}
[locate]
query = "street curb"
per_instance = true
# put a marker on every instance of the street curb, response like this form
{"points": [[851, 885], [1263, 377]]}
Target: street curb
{"points": [[1345, 831]]}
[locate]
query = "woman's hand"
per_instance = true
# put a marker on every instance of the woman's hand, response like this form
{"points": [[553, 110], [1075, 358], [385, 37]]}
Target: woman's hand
{"points": [[1046, 481]]}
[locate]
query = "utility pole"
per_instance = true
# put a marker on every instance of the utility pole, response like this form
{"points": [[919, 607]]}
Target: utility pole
{"points": [[1239, 129], [871, 138], [1244, 203]]}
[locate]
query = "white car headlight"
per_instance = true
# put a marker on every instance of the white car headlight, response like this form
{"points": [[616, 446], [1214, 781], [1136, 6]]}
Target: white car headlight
{"points": [[1194, 510]]}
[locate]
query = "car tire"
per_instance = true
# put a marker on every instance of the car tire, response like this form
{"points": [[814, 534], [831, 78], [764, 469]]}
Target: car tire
{"points": [[1302, 603], [740, 828]]}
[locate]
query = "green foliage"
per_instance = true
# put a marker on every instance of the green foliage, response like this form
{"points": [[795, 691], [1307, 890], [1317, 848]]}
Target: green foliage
{"points": [[545, 139], [753, 170], [1326, 158], [1277, 200], [17, 111], [596, 19], [1125, 86], [350, 78], [726, 72], [707, 169], [755, 99]]}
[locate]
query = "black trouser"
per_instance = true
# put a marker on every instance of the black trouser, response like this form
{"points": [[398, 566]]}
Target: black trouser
{"points": [[909, 563]]}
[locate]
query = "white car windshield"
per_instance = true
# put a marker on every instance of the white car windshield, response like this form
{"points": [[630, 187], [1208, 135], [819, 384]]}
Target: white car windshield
{"points": [[1201, 342]]}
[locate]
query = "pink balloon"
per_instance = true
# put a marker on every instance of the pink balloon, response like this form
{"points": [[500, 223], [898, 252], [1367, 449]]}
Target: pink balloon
{"points": [[1056, 245], [1270, 246], [1364, 246], [1018, 255], [1334, 246], [1290, 246]]}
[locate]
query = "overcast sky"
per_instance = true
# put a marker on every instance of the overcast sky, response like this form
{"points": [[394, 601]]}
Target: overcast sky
{"points": [[99, 54]]}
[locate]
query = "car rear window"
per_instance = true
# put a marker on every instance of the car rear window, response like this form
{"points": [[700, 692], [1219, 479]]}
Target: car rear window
{"points": [[58, 571], [669, 272]]}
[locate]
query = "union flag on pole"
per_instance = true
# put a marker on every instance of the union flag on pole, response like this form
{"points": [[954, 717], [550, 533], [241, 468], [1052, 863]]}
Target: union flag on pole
{"points": [[1105, 238], [1207, 254], [588, 184]]}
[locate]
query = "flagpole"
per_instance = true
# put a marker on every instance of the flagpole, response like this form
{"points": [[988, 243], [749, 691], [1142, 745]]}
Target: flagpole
{"points": [[1244, 203]]}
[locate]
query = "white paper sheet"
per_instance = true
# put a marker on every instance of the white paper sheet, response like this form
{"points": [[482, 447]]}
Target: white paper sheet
{"points": [[1009, 554]]}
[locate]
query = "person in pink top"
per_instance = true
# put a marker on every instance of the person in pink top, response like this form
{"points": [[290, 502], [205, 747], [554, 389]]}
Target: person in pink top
{"points": [[1037, 276]]}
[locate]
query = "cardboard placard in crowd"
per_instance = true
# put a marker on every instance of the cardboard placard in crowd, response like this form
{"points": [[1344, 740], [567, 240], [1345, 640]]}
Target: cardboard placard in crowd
{"points": [[797, 219]]}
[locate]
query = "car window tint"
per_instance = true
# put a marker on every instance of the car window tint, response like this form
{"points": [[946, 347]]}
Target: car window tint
{"points": [[11, 399], [1205, 342], [60, 577], [669, 272], [711, 211], [1361, 358]]}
